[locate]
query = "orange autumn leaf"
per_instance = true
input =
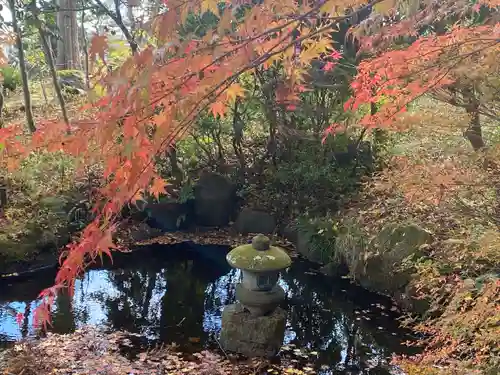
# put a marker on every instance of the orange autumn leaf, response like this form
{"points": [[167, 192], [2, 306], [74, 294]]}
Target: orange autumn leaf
{"points": [[158, 187], [98, 47], [218, 109], [234, 91], [210, 5], [153, 101]]}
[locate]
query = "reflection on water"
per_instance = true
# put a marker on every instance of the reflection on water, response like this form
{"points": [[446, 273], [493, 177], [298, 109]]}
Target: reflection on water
{"points": [[177, 295]]}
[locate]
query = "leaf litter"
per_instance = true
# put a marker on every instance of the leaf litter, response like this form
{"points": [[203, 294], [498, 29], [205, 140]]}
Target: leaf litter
{"points": [[92, 351]]}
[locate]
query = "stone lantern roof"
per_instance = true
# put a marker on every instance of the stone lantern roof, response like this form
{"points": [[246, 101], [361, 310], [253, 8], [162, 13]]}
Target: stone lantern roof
{"points": [[259, 256]]}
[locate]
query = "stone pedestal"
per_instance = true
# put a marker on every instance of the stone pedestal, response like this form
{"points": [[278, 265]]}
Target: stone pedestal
{"points": [[252, 336]]}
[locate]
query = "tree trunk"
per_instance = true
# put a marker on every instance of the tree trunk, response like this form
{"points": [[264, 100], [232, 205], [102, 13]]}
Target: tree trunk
{"points": [[22, 67], [85, 52], [2, 102], [44, 92], [116, 16], [177, 173], [237, 140], [474, 132], [130, 16], [50, 61], [68, 49]]}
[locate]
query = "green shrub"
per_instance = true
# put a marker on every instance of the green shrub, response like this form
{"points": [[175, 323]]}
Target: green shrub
{"points": [[45, 200], [320, 235], [308, 177], [11, 77], [337, 242]]}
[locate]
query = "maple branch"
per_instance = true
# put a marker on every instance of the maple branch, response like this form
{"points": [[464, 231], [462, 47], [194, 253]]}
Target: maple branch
{"points": [[195, 111], [228, 81], [431, 87], [117, 18], [57, 10], [335, 21]]}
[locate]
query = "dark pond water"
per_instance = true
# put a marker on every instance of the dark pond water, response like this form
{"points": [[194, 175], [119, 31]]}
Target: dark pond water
{"points": [[176, 294]]}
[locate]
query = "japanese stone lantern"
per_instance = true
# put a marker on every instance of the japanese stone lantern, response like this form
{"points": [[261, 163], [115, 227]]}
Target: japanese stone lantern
{"points": [[255, 325], [260, 264]]}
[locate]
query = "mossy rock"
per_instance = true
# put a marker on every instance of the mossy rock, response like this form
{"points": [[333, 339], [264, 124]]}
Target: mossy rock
{"points": [[32, 242], [70, 73], [401, 240], [72, 81], [380, 267]]}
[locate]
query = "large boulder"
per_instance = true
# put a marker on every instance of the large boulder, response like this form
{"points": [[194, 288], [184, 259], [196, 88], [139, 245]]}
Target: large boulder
{"points": [[72, 81], [215, 200], [143, 232], [253, 221], [169, 216], [380, 267], [306, 244]]}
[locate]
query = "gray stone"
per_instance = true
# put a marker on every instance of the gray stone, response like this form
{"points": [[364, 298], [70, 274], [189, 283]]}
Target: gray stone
{"points": [[304, 248], [290, 232], [215, 200], [253, 221], [143, 232], [251, 336], [168, 216], [259, 302], [302, 242], [334, 269], [378, 269], [72, 81]]}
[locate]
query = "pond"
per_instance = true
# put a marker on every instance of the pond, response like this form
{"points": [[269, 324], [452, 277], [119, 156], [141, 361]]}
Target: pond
{"points": [[176, 294]]}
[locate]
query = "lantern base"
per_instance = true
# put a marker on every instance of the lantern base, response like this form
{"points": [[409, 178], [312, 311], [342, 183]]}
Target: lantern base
{"points": [[252, 336]]}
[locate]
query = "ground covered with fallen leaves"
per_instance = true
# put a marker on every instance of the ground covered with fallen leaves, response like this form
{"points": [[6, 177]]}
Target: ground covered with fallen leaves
{"points": [[92, 351]]}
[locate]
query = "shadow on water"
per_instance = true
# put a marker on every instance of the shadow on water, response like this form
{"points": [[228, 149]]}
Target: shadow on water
{"points": [[176, 294]]}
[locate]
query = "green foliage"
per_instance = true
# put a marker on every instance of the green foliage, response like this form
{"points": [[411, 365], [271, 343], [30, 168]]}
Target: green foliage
{"points": [[315, 177], [45, 200], [11, 77], [186, 193], [321, 236]]}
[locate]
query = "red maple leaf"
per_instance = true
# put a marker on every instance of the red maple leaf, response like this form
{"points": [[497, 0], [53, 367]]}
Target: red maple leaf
{"points": [[332, 129], [336, 55], [329, 66], [19, 318]]}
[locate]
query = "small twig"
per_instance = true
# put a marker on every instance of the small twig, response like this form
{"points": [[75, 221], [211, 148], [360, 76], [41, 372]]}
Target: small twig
{"points": [[221, 348], [182, 320]]}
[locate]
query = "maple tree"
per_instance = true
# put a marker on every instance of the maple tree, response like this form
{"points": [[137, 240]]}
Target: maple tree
{"points": [[151, 101]]}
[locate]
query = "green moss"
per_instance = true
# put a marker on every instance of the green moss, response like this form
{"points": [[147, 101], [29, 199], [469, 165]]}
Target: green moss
{"points": [[247, 257], [70, 72]]}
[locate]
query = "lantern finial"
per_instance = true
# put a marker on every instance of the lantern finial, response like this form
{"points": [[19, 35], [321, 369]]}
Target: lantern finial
{"points": [[261, 242]]}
